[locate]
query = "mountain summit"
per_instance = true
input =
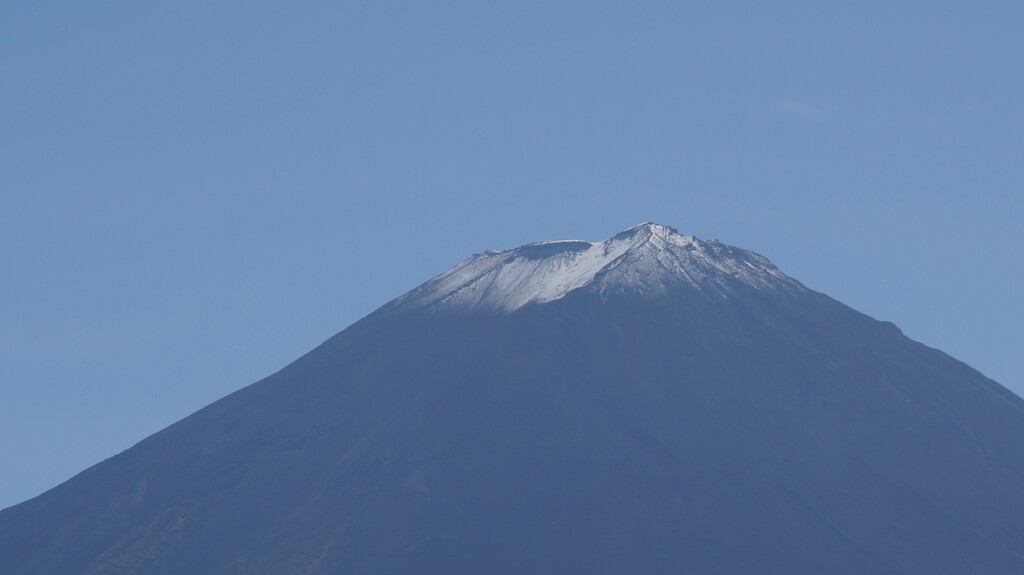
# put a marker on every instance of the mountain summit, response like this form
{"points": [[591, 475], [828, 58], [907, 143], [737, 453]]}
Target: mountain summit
{"points": [[652, 403], [646, 259]]}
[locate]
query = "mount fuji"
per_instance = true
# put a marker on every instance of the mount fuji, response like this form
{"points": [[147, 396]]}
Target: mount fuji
{"points": [[652, 403]]}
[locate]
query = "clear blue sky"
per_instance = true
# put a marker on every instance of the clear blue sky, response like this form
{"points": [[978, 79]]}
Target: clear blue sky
{"points": [[194, 194]]}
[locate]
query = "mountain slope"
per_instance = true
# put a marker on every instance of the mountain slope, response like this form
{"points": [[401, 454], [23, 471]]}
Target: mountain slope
{"points": [[654, 403]]}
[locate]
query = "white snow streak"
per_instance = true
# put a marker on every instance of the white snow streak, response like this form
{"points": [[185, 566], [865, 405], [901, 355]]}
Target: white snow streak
{"points": [[646, 259]]}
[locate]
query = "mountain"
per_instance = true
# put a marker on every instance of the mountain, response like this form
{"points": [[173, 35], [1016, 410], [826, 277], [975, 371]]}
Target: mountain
{"points": [[653, 403]]}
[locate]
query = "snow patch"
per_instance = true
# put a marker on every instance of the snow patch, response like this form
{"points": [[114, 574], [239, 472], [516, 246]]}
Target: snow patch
{"points": [[647, 259]]}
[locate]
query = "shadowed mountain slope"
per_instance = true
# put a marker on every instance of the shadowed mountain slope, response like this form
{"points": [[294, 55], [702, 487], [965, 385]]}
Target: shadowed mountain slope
{"points": [[653, 403]]}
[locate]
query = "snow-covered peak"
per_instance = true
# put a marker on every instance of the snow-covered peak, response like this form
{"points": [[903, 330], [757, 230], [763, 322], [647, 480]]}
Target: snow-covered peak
{"points": [[646, 259], [650, 229]]}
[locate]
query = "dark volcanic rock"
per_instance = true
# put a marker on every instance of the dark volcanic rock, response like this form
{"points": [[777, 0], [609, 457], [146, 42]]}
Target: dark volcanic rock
{"points": [[678, 406]]}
